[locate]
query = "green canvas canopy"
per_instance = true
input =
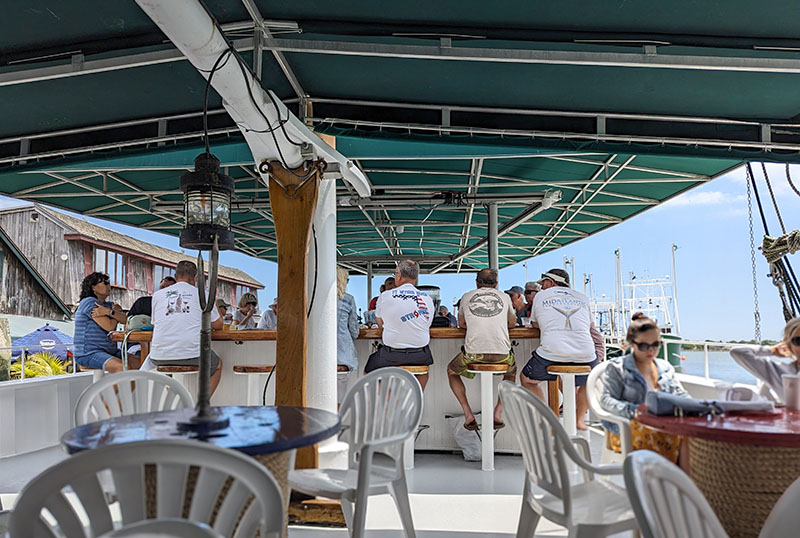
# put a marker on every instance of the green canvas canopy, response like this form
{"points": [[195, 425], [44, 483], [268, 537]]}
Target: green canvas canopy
{"points": [[447, 107]]}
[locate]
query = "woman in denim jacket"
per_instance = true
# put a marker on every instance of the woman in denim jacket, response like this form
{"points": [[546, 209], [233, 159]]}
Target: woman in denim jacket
{"points": [[346, 332], [627, 379]]}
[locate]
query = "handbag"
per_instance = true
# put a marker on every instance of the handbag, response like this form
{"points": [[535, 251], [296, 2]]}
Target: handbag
{"points": [[666, 404]]}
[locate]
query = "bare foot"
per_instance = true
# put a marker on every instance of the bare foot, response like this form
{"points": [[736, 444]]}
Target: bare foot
{"points": [[581, 425]]}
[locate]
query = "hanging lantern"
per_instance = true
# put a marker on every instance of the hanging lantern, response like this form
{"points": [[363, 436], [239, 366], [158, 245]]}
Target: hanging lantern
{"points": [[207, 205]]}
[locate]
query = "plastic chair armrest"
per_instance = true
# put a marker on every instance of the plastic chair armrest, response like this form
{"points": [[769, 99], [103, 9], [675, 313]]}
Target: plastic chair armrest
{"points": [[583, 447], [584, 460]]}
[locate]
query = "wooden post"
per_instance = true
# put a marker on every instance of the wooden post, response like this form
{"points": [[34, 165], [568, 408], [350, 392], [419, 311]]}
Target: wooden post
{"points": [[293, 201]]}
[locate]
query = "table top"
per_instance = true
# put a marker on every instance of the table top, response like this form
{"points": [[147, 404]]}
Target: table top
{"points": [[781, 429], [252, 430]]}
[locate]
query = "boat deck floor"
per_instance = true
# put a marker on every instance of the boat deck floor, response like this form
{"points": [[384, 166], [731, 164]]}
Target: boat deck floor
{"points": [[450, 497]]}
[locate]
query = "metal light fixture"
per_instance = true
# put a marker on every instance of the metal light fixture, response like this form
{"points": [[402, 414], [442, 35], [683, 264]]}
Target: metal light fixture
{"points": [[207, 205], [207, 212]]}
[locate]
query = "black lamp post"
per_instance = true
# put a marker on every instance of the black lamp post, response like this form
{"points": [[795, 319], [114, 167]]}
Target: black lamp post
{"points": [[207, 201]]}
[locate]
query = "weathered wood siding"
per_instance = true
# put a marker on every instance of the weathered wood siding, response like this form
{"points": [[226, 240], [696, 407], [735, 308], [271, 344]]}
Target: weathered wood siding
{"points": [[42, 241], [20, 294]]}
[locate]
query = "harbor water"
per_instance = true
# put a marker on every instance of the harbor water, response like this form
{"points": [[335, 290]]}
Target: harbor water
{"points": [[720, 366]]}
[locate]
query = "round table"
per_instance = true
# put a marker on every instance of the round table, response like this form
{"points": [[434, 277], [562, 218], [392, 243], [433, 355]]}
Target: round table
{"points": [[269, 433], [742, 463]]}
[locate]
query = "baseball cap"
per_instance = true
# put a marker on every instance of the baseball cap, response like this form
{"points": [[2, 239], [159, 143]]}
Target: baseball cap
{"points": [[559, 276], [515, 289], [223, 304]]}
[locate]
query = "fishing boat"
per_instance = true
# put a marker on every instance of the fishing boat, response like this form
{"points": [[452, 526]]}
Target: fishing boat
{"points": [[459, 135]]}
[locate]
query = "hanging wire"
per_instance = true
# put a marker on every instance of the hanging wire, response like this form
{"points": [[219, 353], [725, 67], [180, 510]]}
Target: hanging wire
{"points": [[756, 311], [789, 180]]}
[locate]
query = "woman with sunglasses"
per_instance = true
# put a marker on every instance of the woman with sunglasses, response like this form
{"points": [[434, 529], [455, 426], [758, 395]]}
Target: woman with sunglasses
{"points": [[243, 316], [627, 379], [94, 319], [765, 362]]}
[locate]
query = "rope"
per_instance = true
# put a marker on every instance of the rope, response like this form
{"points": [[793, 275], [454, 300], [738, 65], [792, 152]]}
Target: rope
{"points": [[789, 179], [756, 312], [772, 195], [775, 248]]}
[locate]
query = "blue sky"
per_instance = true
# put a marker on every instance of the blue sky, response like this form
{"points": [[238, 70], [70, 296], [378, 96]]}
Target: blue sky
{"points": [[709, 224]]}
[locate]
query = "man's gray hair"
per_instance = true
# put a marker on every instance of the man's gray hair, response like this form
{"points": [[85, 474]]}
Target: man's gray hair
{"points": [[535, 286], [408, 269], [186, 269]]}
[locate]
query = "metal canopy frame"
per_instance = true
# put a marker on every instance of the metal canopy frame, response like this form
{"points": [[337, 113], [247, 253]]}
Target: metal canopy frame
{"points": [[601, 158]]}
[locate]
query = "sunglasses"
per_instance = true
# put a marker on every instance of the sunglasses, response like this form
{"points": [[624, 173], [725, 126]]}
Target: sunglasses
{"points": [[104, 281], [251, 304], [796, 341], [644, 346], [529, 291]]}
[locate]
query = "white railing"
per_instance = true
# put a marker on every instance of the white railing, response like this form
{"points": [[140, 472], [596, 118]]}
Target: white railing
{"points": [[33, 349], [706, 344]]}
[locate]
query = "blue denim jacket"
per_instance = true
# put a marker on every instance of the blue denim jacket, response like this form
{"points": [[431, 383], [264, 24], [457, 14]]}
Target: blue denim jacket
{"points": [[624, 387], [347, 332]]}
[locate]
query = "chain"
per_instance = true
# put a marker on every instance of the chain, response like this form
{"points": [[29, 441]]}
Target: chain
{"points": [[756, 313]]}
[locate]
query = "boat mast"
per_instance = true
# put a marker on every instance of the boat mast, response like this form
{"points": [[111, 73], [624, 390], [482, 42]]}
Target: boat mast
{"points": [[675, 292]]}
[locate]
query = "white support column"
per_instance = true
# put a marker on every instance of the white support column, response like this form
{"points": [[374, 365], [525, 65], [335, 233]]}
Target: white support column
{"points": [[321, 357], [369, 282], [492, 247]]}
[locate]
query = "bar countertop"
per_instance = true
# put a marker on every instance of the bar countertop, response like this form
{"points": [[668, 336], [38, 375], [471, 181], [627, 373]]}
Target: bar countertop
{"points": [[364, 334]]}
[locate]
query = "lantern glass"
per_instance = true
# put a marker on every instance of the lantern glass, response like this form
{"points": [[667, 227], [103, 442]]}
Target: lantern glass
{"points": [[210, 208]]}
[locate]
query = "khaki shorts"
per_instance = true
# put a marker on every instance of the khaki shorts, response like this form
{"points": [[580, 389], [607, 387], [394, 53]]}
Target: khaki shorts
{"points": [[459, 363]]}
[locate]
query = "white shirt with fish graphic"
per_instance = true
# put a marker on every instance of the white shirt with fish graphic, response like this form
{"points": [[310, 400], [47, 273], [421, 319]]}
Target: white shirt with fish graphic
{"points": [[564, 319], [486, 312]]}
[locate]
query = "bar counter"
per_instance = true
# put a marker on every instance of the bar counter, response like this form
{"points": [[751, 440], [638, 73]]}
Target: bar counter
{"points": [[258, 347]]}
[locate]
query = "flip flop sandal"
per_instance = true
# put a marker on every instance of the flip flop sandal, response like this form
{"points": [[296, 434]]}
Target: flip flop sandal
{"points": [[471, 426], [499, 425]]}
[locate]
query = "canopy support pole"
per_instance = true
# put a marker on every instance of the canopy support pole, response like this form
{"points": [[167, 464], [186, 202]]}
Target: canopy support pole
{"points": [[369, 282], [494, 262], [293, 202]]}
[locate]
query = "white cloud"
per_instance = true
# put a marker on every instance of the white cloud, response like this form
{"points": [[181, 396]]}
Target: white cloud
{"points": [[706, 198]]}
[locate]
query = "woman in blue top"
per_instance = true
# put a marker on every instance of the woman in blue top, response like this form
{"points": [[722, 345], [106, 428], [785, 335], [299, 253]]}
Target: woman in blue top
{"points": [[346, 332], [627, 379], [94, 319]]}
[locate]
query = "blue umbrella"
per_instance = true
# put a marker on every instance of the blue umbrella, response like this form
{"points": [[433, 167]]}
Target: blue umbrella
{"points": [[45, 338]]}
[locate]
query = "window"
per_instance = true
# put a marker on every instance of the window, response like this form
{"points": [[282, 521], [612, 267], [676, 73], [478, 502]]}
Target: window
{"points": [[241, 290], [114, 264], [160, 271]]}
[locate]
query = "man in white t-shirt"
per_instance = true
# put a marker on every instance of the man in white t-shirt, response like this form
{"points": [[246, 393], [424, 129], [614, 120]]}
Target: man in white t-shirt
{"points": [[487, 314], [565, 324], [405, 315], [177, 322]]}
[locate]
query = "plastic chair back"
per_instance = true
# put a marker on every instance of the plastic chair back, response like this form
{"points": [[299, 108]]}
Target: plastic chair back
{"points": [[232, 493], [165, 528], [784, 519], [594, 391], [128, 393], [542, 440], [667, 503], [383, 405]]}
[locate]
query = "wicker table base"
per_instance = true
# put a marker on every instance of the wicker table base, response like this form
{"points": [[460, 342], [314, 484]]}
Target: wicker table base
{"points": [[742, 482], [279, 463]]}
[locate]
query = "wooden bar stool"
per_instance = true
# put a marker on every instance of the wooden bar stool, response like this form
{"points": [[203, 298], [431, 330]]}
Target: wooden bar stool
{"points": [[254, 373], [486, 371], [567, 375], [408, 447], [180, 374]]}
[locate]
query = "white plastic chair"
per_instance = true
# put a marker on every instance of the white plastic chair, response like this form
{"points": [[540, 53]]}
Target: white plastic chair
{"points": [[382, 410], [590, 508], [666, 501], [128, 393], [164, 528], [68, 496], [594, 391], [784, 519]]}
